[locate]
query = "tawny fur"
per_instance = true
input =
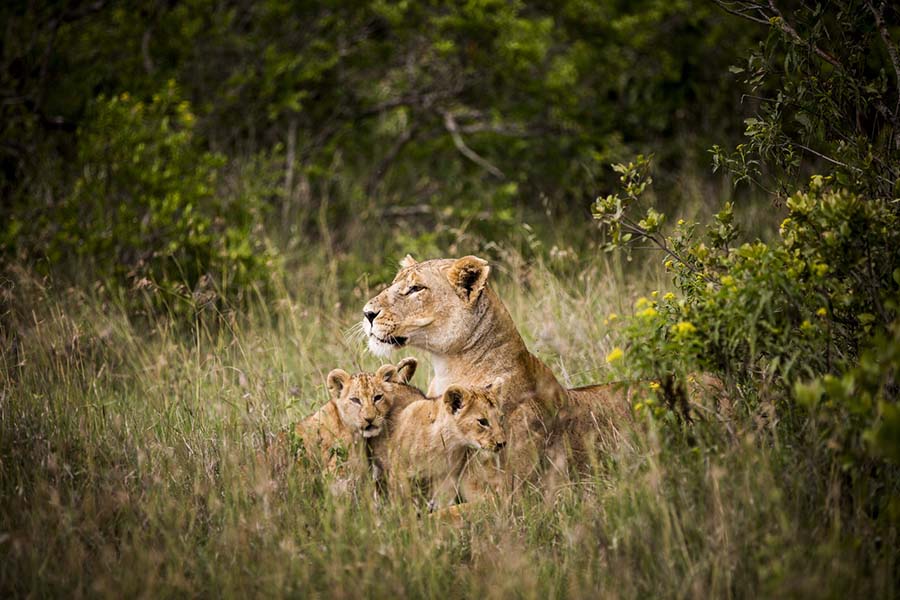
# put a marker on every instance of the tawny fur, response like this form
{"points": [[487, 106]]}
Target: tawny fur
{"points": [[359, 412], [432, 440], [446, 307]]}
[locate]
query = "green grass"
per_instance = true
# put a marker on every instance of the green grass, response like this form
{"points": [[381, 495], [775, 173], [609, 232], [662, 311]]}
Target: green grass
{"points": [[132, 462]]}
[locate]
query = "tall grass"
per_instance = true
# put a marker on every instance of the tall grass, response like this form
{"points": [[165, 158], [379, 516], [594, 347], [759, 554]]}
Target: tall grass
{"points": [[133, 462]]}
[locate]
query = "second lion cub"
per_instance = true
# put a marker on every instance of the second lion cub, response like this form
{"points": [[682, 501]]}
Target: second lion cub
{"points": [[428, 448]]}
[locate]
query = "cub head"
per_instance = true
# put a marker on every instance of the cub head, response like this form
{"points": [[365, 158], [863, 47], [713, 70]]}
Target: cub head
{"points": [[363, 400], [476, 412], [433, 305]]}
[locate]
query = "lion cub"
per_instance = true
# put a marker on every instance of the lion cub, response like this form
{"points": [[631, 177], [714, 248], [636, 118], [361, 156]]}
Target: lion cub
{"points": [[427, 450], [360, 410]]}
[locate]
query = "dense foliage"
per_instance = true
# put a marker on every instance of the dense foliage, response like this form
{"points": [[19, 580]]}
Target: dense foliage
{"points": [[440, 119], [807, 323], [147, 207], [827, 83]]}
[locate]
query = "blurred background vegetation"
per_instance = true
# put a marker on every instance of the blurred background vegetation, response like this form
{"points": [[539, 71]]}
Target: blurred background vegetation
{"points": [[199, 196], [176, 139]]}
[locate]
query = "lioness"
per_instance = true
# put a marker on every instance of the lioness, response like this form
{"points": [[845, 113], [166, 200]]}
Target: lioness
{"points": [[360, 409], [446, 306], [428, 447]]}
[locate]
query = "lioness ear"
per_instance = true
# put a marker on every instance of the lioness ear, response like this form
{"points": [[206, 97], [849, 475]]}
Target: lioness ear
{"points": [[408, 261], [337, 381], [468, 276], [406, 368], [455, 399], [386, 373]]}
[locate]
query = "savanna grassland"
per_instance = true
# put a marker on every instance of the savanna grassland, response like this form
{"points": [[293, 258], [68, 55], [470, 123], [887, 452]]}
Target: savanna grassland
{"points": [[197, 198], [134, 463]]}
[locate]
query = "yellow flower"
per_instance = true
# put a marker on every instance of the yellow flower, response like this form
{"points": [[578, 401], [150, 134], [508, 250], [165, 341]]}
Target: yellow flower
{"points": [[820, 269], [822, 312], [642, 302], [816, 182], [681, 221], [727, 280], [647, 313], [669, 296], [612, 317], [669, 264], [614, 355], [683, 328], [654, 385], [654, 294], [806, 326]]}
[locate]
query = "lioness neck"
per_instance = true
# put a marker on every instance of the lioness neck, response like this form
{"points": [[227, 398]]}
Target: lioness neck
{"points": [[495, 349]]}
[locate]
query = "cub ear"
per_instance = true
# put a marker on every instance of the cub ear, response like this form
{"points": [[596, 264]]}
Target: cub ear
{"points": [[408, 261], [496, 387], [455, 399], [406, 368], [468, 276], [337, 381], [386, 373]]}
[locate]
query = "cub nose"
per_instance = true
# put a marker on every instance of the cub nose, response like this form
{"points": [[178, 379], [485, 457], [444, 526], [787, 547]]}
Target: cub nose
{"points": [[371, 314], [500, 445], [368, 420]]}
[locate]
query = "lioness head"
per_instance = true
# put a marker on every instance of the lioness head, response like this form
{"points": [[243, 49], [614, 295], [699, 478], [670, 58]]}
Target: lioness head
{"points": [[432, 305], [363, 400], [477, 415]]}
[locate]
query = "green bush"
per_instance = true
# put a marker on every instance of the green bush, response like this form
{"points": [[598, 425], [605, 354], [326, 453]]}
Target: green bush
{"points": [[825, 87], [148, 208], [813, 313]]}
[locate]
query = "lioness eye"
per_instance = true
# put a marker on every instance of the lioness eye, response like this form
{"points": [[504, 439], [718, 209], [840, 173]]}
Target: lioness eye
{"points": [[484, 423], [378, 397], [413, 289], [355, 400]]}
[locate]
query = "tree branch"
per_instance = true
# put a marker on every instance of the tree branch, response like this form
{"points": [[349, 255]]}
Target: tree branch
{"points": [[145, 51], [742, 12], [639, 231], [894, 55], [385, 164], [452, 128]]}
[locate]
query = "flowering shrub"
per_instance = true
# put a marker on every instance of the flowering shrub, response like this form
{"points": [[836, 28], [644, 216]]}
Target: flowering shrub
{"points": [[813, 313]]}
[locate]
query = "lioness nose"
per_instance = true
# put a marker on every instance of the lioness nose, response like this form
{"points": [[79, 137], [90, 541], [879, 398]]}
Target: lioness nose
{"points": [[370, 315]]}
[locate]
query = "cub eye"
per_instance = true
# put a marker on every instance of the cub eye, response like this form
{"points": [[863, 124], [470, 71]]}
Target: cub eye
{"points": [[484, 422], [378, 398], [355, 400], [413, 289]]}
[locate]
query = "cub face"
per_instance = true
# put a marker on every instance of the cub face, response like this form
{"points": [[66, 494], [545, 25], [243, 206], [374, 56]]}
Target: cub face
{"points": [[363, 400], [477, 415], [429, 305]]}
